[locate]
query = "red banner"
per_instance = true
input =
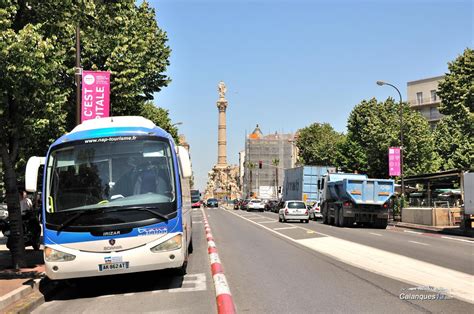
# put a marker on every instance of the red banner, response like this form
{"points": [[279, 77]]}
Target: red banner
{"points": [[95, 95], [394, 161]]}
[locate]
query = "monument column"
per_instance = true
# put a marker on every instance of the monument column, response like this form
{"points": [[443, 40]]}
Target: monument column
{"points": [[221, 140]]}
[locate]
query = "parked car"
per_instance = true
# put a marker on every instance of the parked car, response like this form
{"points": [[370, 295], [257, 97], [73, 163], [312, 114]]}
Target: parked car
{"points": [[293, 210], [256, 204], [237, 203], [315, 212], [244, 204], [212, 202], [270, 205]]}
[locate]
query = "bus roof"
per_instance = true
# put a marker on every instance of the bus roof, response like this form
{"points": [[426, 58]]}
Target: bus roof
{"points": [[114, 126]]}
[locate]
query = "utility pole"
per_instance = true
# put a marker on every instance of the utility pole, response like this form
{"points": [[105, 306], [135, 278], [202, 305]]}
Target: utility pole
{"points": [[78, 74]]}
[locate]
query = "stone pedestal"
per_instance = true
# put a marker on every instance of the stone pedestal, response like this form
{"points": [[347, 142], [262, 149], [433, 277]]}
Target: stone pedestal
{"points": [[223, 182]]}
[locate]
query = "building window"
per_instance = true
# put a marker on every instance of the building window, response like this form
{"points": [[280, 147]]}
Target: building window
{"points": [[419, 98], [434, 97]]}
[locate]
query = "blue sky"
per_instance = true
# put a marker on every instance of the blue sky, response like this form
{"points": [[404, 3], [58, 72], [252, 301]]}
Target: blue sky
{"points": [[288, 64]]}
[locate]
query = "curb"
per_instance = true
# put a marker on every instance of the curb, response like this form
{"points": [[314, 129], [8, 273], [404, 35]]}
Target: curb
{"points": [[17, 294], [27, 298], [225, 303], [429, 230]]}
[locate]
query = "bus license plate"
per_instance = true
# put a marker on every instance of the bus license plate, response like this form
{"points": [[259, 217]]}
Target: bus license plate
{"points": [[113, 266]]}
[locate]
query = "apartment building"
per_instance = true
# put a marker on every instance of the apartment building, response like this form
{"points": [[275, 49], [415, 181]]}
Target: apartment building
{"points": [[423, 96]]}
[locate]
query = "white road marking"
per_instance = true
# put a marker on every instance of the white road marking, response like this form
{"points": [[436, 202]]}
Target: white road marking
{"points": [[285, 228], [394, 266], [462, 240], [267, 222], [418, 243], [414, 232], [388, 264], [199, 282], [377, 234]]}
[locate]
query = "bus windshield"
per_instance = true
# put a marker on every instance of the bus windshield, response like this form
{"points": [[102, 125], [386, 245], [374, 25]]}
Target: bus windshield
{"points": [[110, 172]]}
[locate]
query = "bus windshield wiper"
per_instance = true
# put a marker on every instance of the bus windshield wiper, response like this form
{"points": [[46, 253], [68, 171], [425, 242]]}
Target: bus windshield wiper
{"points": [[148, 209], [77, 215]]}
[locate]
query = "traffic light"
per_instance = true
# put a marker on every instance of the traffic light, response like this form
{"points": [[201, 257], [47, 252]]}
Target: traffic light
{"points": [[260, 164]]}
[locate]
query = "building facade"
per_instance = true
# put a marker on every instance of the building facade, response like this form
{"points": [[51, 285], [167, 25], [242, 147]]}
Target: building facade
{"points": [[423, 96], [266, 158]]}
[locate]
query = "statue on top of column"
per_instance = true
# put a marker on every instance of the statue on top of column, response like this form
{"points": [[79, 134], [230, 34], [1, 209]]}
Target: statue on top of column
{"points": [[222, 90]]}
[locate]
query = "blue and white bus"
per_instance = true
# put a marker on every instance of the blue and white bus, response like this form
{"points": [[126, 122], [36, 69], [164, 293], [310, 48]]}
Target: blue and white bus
{"points": [[116, 199]]}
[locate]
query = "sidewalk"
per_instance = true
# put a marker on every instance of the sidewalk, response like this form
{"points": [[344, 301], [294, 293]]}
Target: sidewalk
{"points": [[17, 285], [456, 230]]}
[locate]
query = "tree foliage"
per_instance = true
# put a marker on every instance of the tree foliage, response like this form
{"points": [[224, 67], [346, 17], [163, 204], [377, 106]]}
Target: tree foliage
{"points": [[317, 144], [455, 133], [373, 127], [160, 117], [37, 59]]}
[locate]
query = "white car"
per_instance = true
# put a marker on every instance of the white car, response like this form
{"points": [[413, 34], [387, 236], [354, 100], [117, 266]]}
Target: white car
{"points": [[256, 204], [293, 210], [315, 212]]}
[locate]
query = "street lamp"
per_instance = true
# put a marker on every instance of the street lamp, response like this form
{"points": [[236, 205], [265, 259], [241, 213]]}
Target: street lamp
{"points": [[177, 123], [381, 83]]}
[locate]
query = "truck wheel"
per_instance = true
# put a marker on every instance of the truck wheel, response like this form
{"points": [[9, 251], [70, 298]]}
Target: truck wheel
{"points": [[381, 223], [342, 220], [336, 217]]}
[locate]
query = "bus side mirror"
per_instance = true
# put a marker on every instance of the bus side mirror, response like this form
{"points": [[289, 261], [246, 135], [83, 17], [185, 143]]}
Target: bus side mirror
{"points": [[31, 173], [184, 162]]}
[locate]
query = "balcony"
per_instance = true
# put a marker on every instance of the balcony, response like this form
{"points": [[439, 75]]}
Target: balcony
{"points": [[428, 101]]}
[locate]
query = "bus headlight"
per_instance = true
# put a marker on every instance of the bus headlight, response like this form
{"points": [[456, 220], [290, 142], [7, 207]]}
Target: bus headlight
{"points": [[169, 245], [52, 255]]}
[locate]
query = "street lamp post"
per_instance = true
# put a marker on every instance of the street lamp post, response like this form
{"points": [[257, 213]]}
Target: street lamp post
{"points": [[381, 83]]}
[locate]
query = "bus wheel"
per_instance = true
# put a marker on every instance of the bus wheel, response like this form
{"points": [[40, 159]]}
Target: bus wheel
{"points": [[181, 271]]}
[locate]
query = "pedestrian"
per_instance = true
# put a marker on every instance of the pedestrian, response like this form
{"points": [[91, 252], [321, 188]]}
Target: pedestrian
{"points": [[25, 203]]}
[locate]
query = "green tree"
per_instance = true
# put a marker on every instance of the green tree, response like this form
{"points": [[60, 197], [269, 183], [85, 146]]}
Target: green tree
{"points": [[373, 127], [37, 89], [317, 144], [160, 117], [454, 134]]}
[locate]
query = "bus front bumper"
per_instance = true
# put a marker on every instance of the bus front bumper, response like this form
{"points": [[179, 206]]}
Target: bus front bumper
{"points": [[90, 264]]}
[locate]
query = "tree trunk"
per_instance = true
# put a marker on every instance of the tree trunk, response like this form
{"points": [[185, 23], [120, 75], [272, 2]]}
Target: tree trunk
{"points": [[251, 184], [17, 244]]}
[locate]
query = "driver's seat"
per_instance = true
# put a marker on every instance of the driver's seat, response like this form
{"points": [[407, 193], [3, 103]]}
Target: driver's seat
{"points": [[145, 182]]}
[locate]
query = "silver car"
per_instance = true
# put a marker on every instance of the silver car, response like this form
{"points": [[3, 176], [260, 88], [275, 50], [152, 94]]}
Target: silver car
{"points": [[256, 204], [293, 210]]}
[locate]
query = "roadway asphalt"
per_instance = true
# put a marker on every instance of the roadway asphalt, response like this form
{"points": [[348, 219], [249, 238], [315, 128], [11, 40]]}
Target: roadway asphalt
{"points": [[159, 291], [452, 252], [273, 267]]}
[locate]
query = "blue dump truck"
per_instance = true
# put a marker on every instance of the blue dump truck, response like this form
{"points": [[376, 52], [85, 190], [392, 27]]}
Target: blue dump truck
{"points": [[348, 198]]}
